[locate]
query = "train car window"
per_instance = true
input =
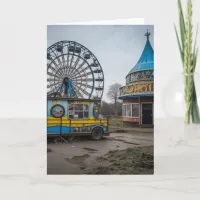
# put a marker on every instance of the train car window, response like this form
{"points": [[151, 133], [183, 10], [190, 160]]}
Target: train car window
{"points": [[78, 111]]}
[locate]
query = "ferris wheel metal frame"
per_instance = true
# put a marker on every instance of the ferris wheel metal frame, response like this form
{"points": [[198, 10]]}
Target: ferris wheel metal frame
{"points": [[72, 60]]}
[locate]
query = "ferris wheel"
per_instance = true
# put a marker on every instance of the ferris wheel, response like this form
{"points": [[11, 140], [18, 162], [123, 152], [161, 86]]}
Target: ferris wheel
{"points": [[71, 62]]}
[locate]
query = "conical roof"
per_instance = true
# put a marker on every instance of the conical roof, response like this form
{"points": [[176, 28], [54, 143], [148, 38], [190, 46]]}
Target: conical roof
{"points": [[146, 61]]}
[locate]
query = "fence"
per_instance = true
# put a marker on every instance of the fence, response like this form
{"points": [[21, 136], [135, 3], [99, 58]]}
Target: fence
{"points": [[115, 123]]}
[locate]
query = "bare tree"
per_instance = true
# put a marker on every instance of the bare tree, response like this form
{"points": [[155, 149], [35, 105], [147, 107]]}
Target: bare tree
{"points": [[106, 109], [117, 108], [113, 93]]}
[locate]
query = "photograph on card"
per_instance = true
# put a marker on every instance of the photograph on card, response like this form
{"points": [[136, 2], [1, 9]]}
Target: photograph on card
{"points": [[100, 99]]}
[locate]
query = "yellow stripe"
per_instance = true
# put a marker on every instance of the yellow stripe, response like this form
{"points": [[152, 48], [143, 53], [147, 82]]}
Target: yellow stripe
{"points": [[51, 121], [78, 102], [74, 125]]}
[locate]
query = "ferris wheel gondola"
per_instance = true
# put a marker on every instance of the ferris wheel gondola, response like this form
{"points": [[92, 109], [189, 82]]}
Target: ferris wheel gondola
{"points": [[72, 66]]}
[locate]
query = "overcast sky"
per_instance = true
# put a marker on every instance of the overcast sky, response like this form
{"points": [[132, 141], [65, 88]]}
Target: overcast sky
{"points": [[117, 47]]}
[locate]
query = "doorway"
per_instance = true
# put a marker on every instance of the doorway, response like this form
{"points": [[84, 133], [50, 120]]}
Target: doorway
{"points": [[147, 113]]}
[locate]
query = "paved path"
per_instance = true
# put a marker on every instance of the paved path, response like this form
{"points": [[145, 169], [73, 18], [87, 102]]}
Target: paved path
{"points": [[137, 129]]}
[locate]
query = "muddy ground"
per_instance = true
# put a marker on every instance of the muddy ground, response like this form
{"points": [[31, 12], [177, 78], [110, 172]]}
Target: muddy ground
{"points": [[119, 153]]}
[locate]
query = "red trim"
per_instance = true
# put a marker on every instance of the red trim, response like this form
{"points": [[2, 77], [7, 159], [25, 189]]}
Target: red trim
{"points": [[150, 100], [131, 101], [125, 119]]}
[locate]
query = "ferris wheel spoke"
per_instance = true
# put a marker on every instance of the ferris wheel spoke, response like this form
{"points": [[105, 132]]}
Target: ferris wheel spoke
{"points": [[58, 69], [66, 68], [76, 63], [72, 59], [52, 68], [83, 91], [80, 77], [80, 66], [85, 85], [60, 63], [49, 93], [82, 70], [63, 61], [89, 73], [84, 80], [53, 84], [75, 84], [51, 55], [53, 61], [77, 91], [54, 52], [70, 68], [54, 89], [53, 75], [85, 74], [52, 79]]}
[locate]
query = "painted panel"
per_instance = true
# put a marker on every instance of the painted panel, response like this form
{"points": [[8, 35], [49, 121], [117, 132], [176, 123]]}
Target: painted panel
{"points": [[74, 128], [64, 103], [146, 75], [91, 109], [75, 125], [138, 88], [50, 103]]}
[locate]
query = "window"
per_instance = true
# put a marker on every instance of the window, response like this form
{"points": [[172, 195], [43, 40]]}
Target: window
{"points": [[135, 110], [123, 110], [78, 111], [130, 110], [129, 78]]}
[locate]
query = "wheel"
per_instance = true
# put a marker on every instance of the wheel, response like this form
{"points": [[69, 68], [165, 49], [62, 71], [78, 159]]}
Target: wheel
{"points": [[74, 70], [97, 133]]}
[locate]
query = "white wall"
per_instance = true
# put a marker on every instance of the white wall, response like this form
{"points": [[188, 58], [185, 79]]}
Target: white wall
{"points": [[23, 45]]}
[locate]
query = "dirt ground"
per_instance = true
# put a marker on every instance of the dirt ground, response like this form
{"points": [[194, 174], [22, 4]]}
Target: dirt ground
{"points": [[119, 153]]}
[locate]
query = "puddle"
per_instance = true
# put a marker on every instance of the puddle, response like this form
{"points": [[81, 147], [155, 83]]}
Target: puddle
{"points": [[125, 141], [131, 143], [120, 140], [90, 149], [77, 159], [119, 136]]}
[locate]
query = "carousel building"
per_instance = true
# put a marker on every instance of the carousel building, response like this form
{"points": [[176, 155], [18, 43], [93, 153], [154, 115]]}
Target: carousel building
{"points": [[137, 94]]}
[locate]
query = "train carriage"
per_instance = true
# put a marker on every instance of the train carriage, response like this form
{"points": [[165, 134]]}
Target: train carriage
{"points": [[80, 117]]}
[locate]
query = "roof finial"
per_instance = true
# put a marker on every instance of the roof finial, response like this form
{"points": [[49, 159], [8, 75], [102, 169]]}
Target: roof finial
{"points": [[147, 34]]}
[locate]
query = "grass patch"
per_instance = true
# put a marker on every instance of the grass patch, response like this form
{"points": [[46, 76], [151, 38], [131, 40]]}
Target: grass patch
{"points": [[137, 160]]}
